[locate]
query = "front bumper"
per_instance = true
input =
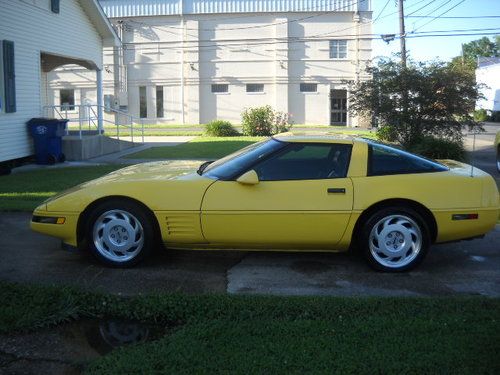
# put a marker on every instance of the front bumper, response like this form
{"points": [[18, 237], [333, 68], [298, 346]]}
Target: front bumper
{"points": [[56, 224]]}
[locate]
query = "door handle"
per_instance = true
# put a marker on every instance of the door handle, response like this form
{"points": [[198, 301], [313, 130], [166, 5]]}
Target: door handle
{"points": [[336, 190]]}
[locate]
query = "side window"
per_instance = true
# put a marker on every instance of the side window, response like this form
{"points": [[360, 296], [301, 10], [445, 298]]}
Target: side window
{"points": [[311, 161], [385, 160], [9, 77]]}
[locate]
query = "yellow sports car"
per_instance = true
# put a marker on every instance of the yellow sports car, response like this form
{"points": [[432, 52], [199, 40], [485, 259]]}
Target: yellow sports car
{"points": [[305, 193]]}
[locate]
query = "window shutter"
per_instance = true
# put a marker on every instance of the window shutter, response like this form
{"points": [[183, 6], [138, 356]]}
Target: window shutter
{"points": [[54, 6], [9, 76]]}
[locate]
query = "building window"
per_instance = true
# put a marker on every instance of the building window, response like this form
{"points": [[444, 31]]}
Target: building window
{"points": [[159, 102], [255, 87], [308, 87], [220, 88], [143, 102], [9, 77], [338, 49], [67, 99], [54, 6]]}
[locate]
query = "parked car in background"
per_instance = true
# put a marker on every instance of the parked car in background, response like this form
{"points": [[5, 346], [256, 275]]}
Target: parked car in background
{"points": [[303, 193]]}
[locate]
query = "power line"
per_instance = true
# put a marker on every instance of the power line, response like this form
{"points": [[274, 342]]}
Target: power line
{"points": [[440, 15], [455, 17], [422, 7], [277, 41], [381, 12]]}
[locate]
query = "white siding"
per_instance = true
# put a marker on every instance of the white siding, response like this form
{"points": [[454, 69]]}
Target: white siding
{"points": [[489, 77], [35, 29], [134, 8]]}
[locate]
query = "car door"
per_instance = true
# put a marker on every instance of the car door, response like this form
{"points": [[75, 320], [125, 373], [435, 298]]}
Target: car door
{"points": [[303, 200]]}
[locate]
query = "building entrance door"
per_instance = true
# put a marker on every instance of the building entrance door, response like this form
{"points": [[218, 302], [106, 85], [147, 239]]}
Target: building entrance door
{"points": [[338, 107]]}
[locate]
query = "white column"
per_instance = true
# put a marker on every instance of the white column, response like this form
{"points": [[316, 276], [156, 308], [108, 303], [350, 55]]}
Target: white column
{"points": [[100, 102]]}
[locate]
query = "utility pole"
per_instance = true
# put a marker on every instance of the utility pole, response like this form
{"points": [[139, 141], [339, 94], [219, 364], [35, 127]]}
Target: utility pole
{"points": [[402, 33]]}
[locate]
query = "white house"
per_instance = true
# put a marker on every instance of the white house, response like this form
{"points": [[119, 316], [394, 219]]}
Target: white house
{"points": [[37, 36], [488, 74], [192, 61]]}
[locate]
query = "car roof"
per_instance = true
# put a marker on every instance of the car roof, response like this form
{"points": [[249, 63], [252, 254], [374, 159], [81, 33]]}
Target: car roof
{"points": [[317, 137]]}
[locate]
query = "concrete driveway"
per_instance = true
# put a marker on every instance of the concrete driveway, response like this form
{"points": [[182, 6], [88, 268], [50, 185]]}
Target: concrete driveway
{"points": [[462, 268]]}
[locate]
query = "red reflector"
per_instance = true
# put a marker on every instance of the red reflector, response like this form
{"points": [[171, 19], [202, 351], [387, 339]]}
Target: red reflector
{"points": [[465, 217]]}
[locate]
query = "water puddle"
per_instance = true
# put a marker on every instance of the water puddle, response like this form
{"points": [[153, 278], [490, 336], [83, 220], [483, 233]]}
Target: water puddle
{"points": [[66, 348]]}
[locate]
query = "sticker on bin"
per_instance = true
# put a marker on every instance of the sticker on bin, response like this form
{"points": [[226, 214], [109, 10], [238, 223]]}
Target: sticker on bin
{"points": [[41, 129]]}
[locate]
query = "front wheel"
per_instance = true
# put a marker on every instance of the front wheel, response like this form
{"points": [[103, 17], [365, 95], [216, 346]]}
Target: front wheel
{"points": [[395, 239], [120, 234]]}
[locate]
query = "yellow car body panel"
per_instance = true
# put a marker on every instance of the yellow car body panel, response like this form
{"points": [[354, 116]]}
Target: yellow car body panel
{"points": [[198, 212]]}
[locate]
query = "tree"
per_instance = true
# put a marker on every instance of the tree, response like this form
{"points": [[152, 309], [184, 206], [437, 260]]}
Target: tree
{"points": [[483, 47], [423, 99]]}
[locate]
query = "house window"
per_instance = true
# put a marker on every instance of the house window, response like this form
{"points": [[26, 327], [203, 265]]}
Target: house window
{"points": [[67, 99], [255, 87], [54, 6], [220, 88], [308, 87], [8, 99], [159, 102], [338, 49]]}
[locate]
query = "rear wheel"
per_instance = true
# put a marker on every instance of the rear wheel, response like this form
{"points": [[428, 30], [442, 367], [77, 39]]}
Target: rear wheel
{"points": [[395, 239], [120, 233]]}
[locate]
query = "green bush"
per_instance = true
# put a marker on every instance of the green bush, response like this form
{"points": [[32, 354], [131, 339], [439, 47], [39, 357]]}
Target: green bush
{"points": [[264, 121], [387, 133], [220, 128], [480, 115], [439, 148]]}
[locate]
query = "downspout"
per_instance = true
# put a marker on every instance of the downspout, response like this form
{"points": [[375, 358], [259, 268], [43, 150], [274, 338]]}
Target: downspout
{"points": [[182, 63]]}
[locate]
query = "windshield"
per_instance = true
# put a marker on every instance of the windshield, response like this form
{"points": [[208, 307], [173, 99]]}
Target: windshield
{"points": [[227, 167]]}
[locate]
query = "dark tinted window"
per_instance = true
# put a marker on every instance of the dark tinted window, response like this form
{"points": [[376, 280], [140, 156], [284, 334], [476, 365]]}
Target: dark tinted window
{"points": [[385, 160], [240, 161], [309, 161]]}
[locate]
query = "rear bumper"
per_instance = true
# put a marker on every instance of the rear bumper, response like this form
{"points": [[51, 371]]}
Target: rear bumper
{"points": [[455, 230]]}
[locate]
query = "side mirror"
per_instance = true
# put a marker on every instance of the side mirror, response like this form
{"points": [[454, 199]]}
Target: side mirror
{"points": [[249, 178]]}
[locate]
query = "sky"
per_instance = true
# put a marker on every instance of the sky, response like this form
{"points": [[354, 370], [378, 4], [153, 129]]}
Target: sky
{"points": [[428, 48]]}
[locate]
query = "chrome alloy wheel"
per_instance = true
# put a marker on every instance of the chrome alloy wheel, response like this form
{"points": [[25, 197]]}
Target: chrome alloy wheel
{"points": [[118, 235], [395, 241]]}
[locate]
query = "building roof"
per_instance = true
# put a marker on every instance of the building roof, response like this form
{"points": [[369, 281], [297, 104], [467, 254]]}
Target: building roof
{"points": [[134, 8], [487, 61], [101, 22]]}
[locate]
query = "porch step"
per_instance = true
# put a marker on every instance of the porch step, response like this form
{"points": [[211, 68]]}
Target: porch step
{"points": [[92, 146]]}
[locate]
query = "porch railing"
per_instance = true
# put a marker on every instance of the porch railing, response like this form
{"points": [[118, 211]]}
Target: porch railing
{"points": [[84, 117]]}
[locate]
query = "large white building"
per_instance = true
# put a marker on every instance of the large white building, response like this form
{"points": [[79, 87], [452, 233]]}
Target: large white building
{"points": [[37, 36], [488, 75], [192, 61]]}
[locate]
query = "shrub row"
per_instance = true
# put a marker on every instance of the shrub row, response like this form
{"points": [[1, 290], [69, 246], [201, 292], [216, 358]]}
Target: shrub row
{"points": [[260, 121]]}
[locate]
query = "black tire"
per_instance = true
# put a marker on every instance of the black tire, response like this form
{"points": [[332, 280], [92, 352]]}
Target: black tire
{"points": [[51, 159], [393, 216], [112, 216]]}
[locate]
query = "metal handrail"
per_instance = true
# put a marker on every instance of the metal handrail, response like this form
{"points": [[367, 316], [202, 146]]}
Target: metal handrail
{"points": [[88, 113]]}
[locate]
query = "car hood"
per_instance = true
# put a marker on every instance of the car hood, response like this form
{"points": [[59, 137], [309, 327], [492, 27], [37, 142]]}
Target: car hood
{"points": [[161, 170]]}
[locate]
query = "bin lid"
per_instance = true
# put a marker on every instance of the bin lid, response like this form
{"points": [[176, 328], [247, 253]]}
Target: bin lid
{"points": [[46, 121]]}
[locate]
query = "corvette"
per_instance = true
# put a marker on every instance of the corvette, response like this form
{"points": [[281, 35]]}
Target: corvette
{"points": [[286, 193]]}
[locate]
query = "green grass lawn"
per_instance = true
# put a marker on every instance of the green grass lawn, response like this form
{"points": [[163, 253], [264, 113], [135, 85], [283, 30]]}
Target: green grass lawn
{"points": [[24, 191], [198, 148], [213, 334]]}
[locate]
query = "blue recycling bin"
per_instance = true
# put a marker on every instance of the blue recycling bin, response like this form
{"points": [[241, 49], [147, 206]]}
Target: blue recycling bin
{"points": [[47, 135]]}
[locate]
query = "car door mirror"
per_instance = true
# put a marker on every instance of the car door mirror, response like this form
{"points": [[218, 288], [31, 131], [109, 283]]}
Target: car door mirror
{"points": [[249, 178]]}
